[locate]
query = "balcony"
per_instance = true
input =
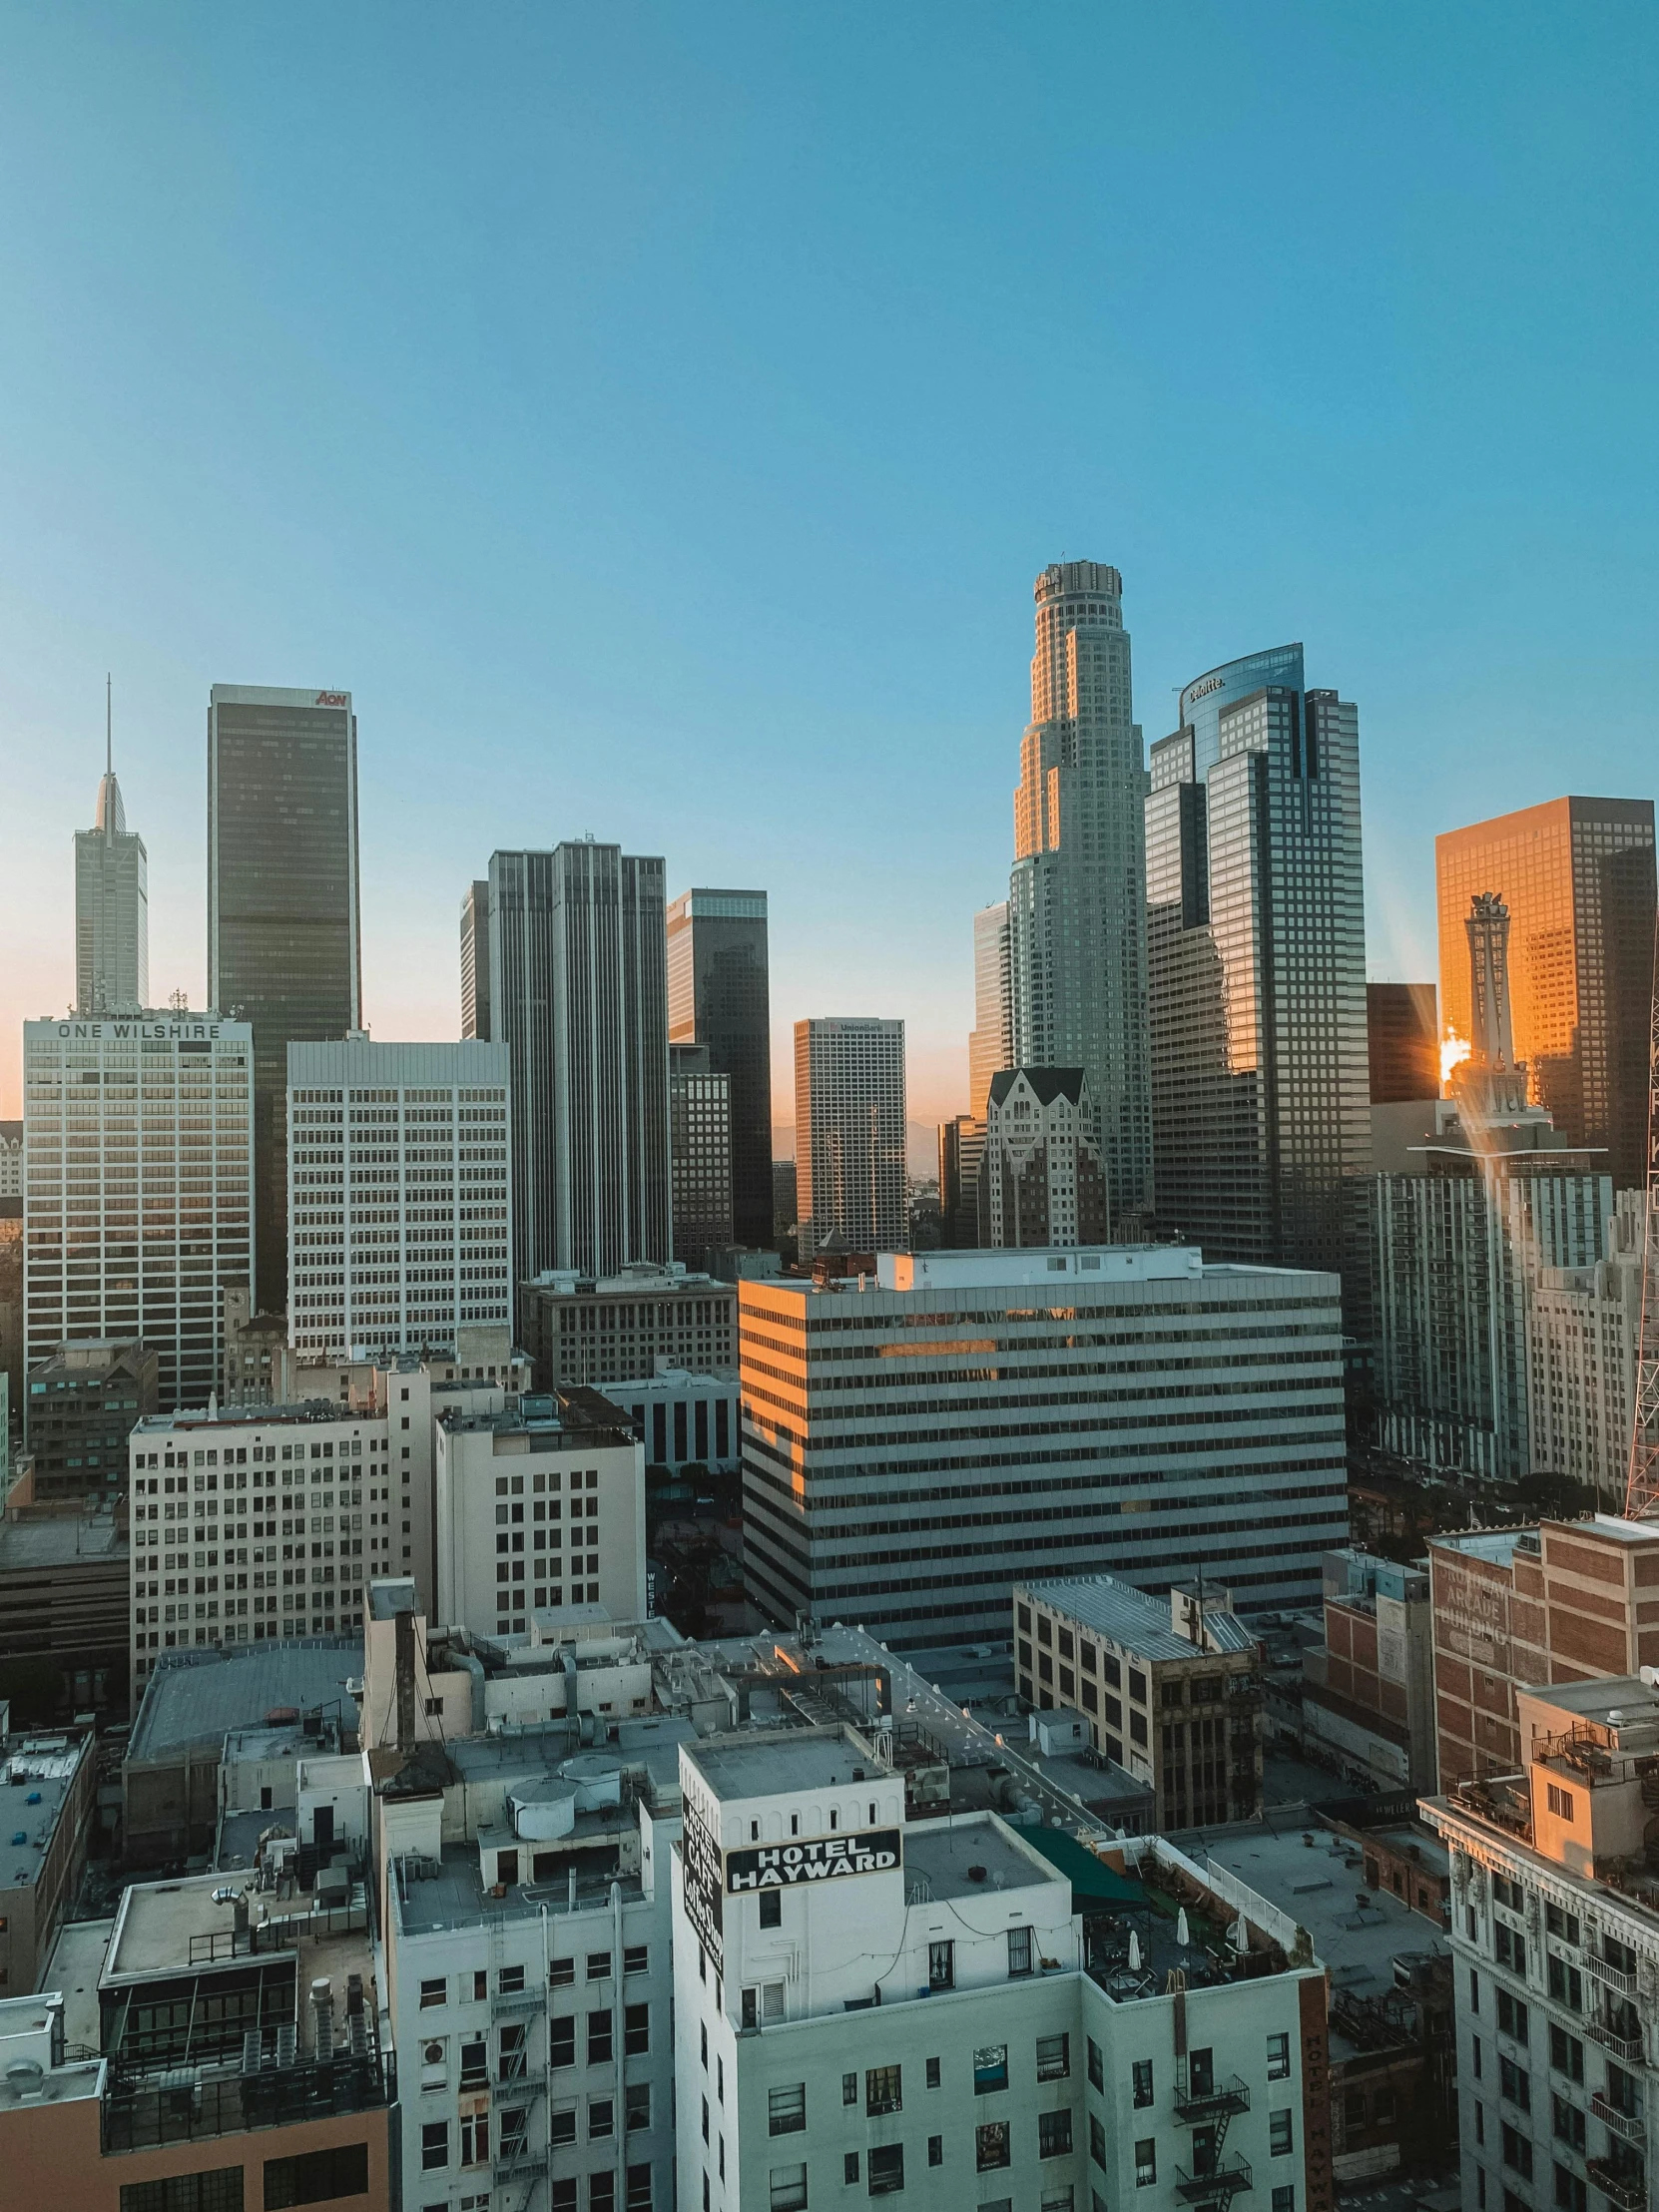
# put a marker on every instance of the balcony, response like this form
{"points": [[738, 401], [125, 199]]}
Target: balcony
{"points": [[1622, 2123], [1194, 2106], [1626, 2049], [1622, 2185], [517, 2161], [1614, 1977], [1217, 2184]]}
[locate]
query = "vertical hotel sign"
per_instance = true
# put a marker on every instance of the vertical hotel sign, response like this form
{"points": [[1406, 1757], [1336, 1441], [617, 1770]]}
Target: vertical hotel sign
{"points": [[1316, 2095], [701, 1875]]}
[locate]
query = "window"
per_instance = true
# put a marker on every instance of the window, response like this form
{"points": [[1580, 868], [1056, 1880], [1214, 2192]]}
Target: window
{"points": [[786, 2110], [510, 1980], [561, 1972], [935, 2150], [789, 2189], [1284, 2197], [1560, 1802], [561, 2126], [1019, 1951], [561, 2041], [1280, 2144], [638, 2189], [850, 2088], [887, 2169], [883, 2089], [433, 1993], [601, 2120], [1566, 2053], [475, 2141], [1518, 2152], [217, 2190], [990, 2069], [636, 2105], [1053, 2134], [990, 2146], [941, 1965], [434, 2146], [475, 2068], [849, 2167], [636, 2029], [1514, 2082], [1569, 2191], [1146, 2162], [1566, 1983], [1567, 2122], [933, 2074], [1510, 1948], [1512, 2016], [1097, 2141], [636, 1959], [771, 1907], [1561, 1923], [599, 2038], [599, 1965], [317, 2176], [1053, 2057], [1140, 2074]]}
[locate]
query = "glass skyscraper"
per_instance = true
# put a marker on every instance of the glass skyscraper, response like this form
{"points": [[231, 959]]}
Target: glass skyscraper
{"points": [[1078, 893], [282, 935], [719, 997], [1257, 960]]}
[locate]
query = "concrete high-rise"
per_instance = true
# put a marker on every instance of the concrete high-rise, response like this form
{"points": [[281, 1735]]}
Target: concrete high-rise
{"points": [[475, 961], [1578, 876], [718, 996], [700, 1147], [283, 951], [398, 1179], [1077, 895], [991, 1040], [112, 910], [850, 1135], [578, 993], [1256, 951], [138, 1211]]}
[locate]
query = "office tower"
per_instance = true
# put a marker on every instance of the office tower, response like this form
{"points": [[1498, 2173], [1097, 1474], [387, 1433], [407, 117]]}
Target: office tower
{"points": [[1550, 1921], [850, 1135], [80, 1406], [282, 938], [139, 1213], [398, 1179], [1576, 876], [862, 1404], [475, 961], [991, 1040], [581, 1330], [786, 1209], [112, 909], [1402, 1042], [1256, 951], [718, 996], [578, 993], [699, 1150], [1077, 895], [1582, 1327], [961, 1154], [11, 1158], [1041, 1180]]}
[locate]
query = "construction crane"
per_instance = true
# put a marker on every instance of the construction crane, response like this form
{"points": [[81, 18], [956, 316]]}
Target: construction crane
{"points": [[1642, 1492]]}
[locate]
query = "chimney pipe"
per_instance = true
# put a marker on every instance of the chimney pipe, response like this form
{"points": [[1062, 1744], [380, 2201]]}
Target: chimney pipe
{"points": [[323, 2020]]}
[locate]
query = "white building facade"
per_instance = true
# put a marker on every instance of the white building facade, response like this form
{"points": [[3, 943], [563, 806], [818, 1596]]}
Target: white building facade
{"points": [[138, 1201], [851, 1181], [1582, 1327], [914, 1446], [399, 1228]]}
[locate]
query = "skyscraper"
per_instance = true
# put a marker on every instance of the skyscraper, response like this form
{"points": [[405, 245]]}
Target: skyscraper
{"points": [[282, 935], [1256, 951], [112, 908], [398, 1177], [1077, 895], [700, 1147], [1402, 1042], [578, 992], [1040, 1180], [1577, 875], [718, 996], [475, 961], [140, 1187], [850, 1135], [991, 1040]]}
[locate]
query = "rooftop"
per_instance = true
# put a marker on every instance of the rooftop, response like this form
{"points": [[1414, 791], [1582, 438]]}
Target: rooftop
{"points": [[968, 1858], [253, 1417], [164, 1928], [776, 1765], [31, 1544], [1138, 1622], [200, 1695], [36, 1773], [1494, 1544], [642, 1279]]}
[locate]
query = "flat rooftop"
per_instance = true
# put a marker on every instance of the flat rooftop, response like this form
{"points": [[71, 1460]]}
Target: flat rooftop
{"points": [[32, 1767], [1497, 1545], [1320, 1884], [206, 1692], [1138, 1622], [775, 1766], [59, 1540], [970, 1857], [1626, 1695], [451, 1893], [156, 1920], [313, 1409], [74, 1970]]}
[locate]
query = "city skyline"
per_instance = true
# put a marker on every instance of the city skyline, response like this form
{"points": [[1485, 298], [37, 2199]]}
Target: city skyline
{"points": [[455, 530]]}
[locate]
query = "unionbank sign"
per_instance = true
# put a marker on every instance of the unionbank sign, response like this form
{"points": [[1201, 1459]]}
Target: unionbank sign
{"points": [[823, 1859]]}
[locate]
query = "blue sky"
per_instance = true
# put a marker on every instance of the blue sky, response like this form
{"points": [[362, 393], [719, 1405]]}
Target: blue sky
{"points": [[657, 416]]}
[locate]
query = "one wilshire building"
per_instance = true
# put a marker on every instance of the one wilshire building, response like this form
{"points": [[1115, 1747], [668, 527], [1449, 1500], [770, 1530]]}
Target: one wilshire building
{"points": [[1076, 897], [1256, 962]]}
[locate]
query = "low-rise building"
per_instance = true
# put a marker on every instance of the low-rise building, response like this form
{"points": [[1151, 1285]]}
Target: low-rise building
{"points": [[1367, 1689], [80, 1408], [64, 1605], [682, 1419], [1556, 1933], [599, 1331], [47, 1788], [1170, 1686]]}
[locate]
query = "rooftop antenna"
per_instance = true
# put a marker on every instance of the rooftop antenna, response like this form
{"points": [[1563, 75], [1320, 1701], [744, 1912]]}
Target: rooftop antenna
{"points": [[109, 739]]}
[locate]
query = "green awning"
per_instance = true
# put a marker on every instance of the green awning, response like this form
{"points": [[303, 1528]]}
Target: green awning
{"points": [[1093, 1883]]}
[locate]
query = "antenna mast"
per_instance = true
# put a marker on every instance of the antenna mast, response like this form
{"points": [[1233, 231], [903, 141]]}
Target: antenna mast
{"points": [[1642, 1493], [109, 737]]}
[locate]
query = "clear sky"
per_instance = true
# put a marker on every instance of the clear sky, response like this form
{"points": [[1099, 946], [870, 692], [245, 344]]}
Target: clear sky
{"points": [[657, 416]]}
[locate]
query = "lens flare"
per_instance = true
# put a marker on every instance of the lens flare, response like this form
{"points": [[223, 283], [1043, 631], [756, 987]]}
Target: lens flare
{"points": [[1454, 1050]]}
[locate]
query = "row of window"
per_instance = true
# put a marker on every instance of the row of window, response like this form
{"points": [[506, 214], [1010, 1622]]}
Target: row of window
{"points": [[434, 1992]]}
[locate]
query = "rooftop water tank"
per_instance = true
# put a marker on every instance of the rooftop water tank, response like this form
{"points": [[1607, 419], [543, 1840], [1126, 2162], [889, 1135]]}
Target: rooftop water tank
{"points": [[598, 1779], [542, 1810]]}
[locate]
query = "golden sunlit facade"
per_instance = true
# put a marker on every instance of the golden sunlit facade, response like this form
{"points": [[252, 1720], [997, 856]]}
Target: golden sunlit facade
{"points": [[1577, 878]]}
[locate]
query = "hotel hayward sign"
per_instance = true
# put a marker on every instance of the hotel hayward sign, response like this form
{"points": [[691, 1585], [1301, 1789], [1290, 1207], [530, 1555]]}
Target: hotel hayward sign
{"points": [[710, 1875]]}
